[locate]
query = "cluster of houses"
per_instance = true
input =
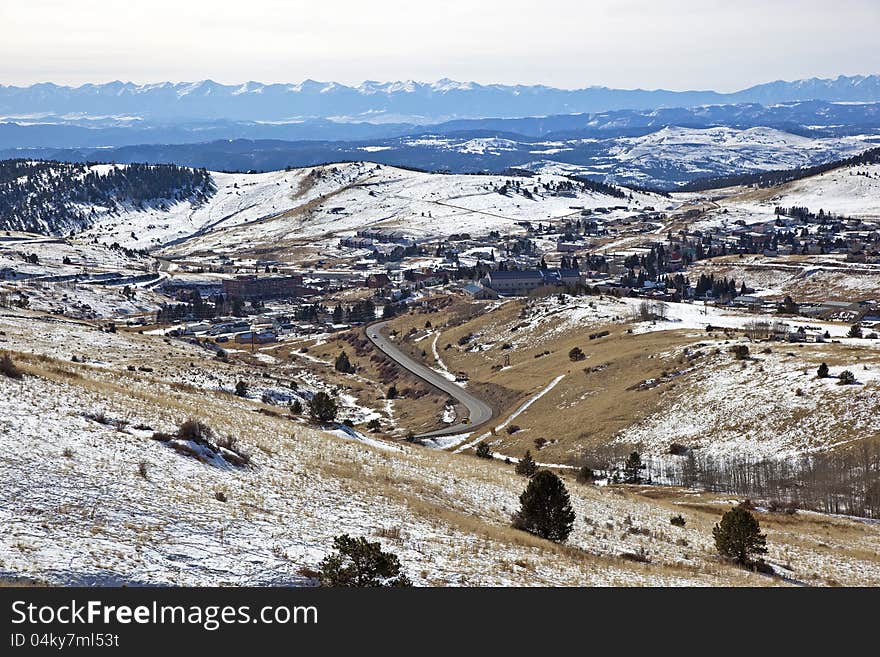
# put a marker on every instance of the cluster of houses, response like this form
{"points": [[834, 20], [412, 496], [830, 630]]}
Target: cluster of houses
{"points": [[395, 267]]}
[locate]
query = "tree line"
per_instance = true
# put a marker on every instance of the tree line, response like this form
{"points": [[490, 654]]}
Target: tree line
{"points": [[54, 197]]}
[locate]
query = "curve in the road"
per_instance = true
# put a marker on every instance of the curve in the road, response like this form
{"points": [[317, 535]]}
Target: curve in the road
{"points": [[478, 411]]}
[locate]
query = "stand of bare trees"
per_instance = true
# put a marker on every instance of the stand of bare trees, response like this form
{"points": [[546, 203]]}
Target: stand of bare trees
{"points": [[845, 481]]}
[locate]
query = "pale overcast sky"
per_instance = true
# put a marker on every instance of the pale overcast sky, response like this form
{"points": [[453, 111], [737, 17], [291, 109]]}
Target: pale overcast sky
{"points": [[718, 44]]}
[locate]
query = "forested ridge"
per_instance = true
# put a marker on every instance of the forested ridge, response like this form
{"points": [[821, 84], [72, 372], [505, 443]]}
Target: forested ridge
{"points": [[63, 197]]}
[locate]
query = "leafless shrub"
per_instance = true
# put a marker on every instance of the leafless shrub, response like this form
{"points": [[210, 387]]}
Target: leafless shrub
{"points": [[8, 368], [233, 452], [228, 442], [392, 533], [195, 430], [639, 557], [98, 416]]}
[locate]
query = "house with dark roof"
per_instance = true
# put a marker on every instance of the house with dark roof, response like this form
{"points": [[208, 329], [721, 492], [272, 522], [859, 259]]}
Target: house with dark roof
{"points": [[515, 283], [521, 282]]}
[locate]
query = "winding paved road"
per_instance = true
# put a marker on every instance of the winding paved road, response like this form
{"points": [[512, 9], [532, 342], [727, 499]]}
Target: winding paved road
{"points": [[478, 411]]}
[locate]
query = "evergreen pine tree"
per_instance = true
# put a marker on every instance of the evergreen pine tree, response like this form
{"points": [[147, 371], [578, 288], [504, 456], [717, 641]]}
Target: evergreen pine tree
{"points": [[632, 469], [545, 508], [343, 364], [822, 372], [322, 408], [527, 466], [360, 563], [738, 536]]}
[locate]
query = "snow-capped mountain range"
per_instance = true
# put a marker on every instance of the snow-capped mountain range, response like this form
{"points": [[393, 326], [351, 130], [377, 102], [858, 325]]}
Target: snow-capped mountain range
{"points": [[378, 102], [662, 138]]}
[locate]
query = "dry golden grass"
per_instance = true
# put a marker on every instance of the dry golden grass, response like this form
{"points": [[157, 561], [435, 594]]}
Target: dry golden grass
{"points": [[438, 488], [585, 409]]}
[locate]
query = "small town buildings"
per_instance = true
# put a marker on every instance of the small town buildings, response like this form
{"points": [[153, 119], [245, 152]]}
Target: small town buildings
{"points": [[377, 281], [479, 292], [515, 283], [521, 282], [264, 287]]}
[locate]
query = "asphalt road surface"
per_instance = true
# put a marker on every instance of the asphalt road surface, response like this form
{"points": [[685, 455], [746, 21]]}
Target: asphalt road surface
{"points": [[478, 411]]}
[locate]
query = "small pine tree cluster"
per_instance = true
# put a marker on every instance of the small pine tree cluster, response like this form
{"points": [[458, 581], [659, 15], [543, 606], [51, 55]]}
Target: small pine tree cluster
{"points": [[585, 475], [846, 378], [738, 536], [632, 469]]}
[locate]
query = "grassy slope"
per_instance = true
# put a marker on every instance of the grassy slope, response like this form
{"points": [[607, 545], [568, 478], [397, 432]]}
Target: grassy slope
{"points": [[705, 400], [89, 517]]}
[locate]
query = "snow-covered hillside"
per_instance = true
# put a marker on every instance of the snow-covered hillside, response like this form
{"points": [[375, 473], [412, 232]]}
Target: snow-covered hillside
{"points": [[337, 200], [708, 152], [659, 159], [852, 191], [240, 198]]}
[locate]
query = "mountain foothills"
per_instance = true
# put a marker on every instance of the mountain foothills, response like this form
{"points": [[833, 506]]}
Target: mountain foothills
{"points": [[528, 377], [665, 159]]}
